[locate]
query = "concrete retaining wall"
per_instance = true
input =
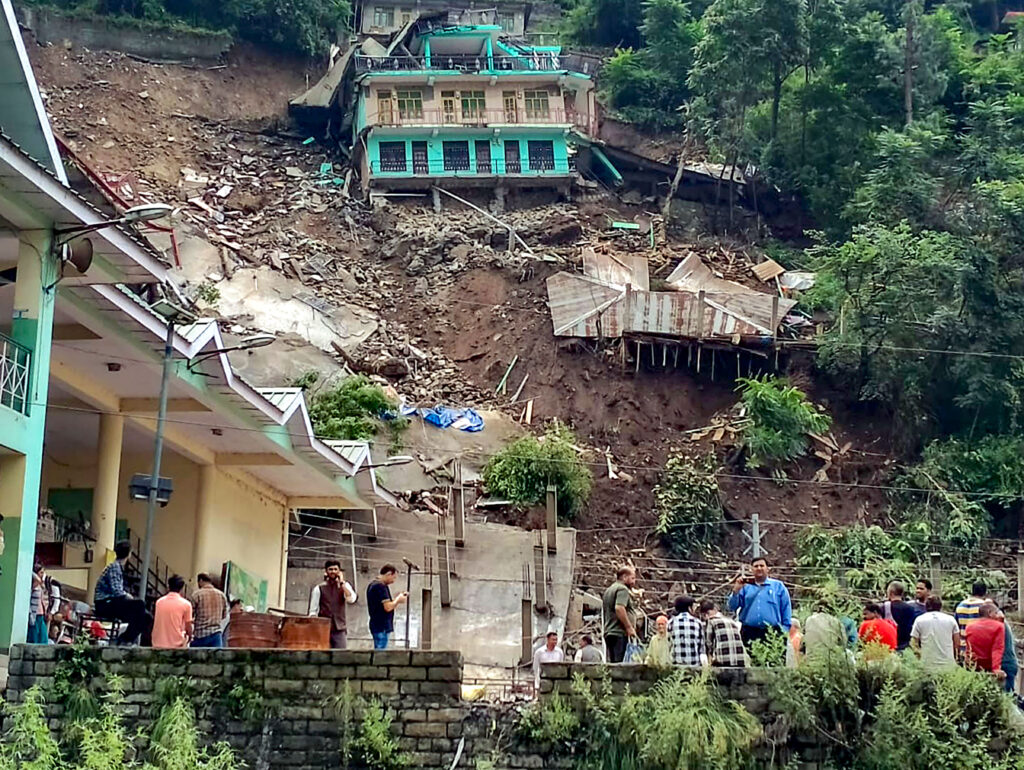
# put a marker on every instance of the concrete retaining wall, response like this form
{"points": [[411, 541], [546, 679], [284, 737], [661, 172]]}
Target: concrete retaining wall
{"points": [[99, 34]]}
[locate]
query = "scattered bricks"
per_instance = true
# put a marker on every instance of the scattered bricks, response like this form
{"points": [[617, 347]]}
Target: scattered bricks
{"points": [[426, 729], [444, 674], [414, 715], [391, 657], [407, 674], [380, 688], [446, 715]]}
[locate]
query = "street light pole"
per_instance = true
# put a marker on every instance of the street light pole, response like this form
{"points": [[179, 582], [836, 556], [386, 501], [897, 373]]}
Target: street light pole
{"points": [[158, 450]]}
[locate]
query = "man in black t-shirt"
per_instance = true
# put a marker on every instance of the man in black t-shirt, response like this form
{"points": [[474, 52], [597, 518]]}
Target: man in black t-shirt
{"points": [[381, 607], [900, 613]]}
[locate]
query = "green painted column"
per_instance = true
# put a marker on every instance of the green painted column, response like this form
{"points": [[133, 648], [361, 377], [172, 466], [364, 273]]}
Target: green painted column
{"points": [[31, 326]]}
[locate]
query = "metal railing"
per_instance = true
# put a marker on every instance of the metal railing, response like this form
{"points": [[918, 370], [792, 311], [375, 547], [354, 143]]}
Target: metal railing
{"points": [[463, 166], [539, 62], [477, 118], [14, 375]]}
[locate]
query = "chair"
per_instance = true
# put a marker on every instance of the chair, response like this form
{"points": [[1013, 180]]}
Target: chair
{"points": [[84, 626]]}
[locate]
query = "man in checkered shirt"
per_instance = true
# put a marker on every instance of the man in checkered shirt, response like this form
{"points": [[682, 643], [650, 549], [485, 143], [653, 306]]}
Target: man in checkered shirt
{"points": [[725, 645], [687, 635]]}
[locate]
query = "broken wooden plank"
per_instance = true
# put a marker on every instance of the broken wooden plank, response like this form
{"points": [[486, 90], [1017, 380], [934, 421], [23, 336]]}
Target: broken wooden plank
{"points": [[504, 380], [768, 269], [519, 390]]}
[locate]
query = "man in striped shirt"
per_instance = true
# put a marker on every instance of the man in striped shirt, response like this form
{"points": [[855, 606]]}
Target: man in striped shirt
{"points": [[967, 611], [687, 635]]}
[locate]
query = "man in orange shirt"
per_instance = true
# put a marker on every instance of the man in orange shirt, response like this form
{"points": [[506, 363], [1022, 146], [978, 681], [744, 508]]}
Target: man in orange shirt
{"points": [[986, 641], [172, 621], [876, 629]]}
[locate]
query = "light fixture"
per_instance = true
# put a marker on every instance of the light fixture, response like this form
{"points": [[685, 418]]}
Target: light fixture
{"points": [[139, 487], [172, 312], [396, 460], [147, 212], [245, 343]]}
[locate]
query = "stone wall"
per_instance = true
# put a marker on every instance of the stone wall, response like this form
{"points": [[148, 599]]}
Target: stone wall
{"points": [[421, 690], [49, 25]]}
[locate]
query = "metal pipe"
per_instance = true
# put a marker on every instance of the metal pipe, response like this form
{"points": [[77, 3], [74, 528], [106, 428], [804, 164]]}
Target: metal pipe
{"points": [[158, 451]]}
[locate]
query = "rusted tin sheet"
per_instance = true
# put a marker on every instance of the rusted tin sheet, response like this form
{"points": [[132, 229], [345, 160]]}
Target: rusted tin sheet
{"points": [[622, 270], [584, 307]]}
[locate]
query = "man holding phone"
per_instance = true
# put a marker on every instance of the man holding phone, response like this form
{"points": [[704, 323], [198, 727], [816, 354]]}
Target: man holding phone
{"points": [[762, 603], [328, 600], [381, 607]]}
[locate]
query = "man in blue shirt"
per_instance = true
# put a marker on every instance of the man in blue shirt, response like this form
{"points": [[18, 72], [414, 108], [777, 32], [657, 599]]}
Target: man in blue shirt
{"points": [[762, 603], [113, 602]]}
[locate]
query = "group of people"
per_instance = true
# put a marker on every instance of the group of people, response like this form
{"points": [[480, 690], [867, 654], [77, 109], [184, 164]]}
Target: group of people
{"points": [[330, 599], [699, 633]]}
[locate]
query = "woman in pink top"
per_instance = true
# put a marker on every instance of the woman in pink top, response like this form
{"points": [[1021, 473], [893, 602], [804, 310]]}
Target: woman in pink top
{"points": [[172, 622]]}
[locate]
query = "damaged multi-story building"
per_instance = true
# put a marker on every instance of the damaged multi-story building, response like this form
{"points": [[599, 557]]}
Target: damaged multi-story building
{"points": [[385, 17], [466, 106]]}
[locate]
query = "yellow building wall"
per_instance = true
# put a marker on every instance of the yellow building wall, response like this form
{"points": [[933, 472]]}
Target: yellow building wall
{"points": [[246, 522], [248, 527]]}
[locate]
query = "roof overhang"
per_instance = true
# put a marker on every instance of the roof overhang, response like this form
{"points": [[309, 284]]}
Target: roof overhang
{"points": [[32, 198], [264, 432]]}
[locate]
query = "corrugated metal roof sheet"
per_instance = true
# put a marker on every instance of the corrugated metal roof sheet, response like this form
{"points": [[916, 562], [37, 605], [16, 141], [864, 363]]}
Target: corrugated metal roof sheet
{"points": [[282, 398], [583, 306], [625, 270]]}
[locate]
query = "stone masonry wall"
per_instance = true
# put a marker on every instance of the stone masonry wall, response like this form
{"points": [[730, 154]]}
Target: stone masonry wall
{"points": [[299, 730]]}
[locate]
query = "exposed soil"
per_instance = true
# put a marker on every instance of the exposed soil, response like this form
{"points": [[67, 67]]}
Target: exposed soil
{"points": [[481, 318]]}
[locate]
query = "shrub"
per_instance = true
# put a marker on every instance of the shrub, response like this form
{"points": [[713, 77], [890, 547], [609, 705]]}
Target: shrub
{"points": [[366, 739], [548, 721], [353, 411], [522, 471], [780, 419], [687, 503]]}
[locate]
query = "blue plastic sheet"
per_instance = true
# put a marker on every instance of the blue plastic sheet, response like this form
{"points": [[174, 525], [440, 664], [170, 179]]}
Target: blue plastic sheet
{"points": [[444, 417]]}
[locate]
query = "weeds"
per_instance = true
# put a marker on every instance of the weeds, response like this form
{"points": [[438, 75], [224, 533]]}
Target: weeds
{"points": [[687, 503], [366, 740]]}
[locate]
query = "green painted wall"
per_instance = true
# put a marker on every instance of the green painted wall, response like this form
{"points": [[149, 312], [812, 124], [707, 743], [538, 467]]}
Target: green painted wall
{"points": [[11, 528], [435, 152]]}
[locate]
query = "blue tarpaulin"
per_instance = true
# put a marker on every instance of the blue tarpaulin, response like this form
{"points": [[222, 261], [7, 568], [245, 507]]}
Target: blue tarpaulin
{"points": [[445, 417]]}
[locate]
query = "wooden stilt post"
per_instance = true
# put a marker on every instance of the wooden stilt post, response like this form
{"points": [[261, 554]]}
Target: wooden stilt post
{"points": [[552, 518], [526, 654], [540, 572]]}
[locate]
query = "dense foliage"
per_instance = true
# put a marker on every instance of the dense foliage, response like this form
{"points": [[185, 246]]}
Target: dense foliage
{"points": [[683, 723], [354, 410], [301, 26], [687, 503], [780, 417], [522, 471]]}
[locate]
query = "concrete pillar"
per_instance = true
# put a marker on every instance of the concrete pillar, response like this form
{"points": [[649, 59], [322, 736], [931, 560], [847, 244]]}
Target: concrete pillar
{"points": [[203, 559], [436, 195], [552, 517], [104, 498], [22, 431]]}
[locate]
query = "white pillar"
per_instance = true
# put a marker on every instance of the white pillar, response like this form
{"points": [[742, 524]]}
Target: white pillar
{"points": [[204, 520]]}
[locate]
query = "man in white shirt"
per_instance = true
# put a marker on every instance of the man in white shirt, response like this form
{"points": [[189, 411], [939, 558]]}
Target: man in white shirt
{"points": [[935, 636], [550, 652]]}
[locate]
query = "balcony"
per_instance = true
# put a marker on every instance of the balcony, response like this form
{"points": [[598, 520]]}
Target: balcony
{"points": [[14, 375], [481, 118], [467, 63], [467, 167]]}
